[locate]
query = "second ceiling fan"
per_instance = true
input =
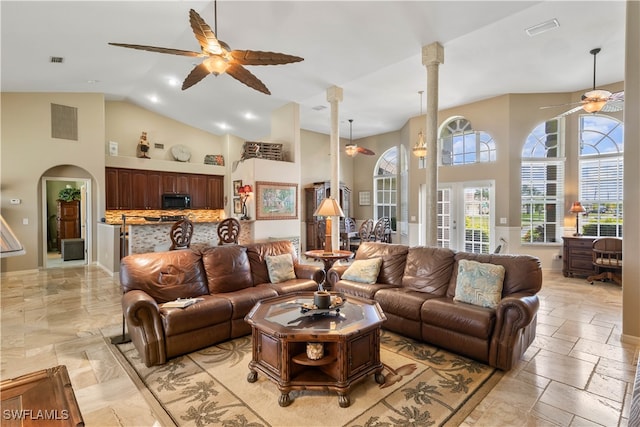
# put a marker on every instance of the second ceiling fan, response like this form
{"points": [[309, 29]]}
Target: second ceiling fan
{"points": [[352, 149], [596, 100], [219, 56]]}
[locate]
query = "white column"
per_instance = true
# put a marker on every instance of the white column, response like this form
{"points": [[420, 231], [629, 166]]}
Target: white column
{"points": [[432, 57], [334, 96], [631, 236]]}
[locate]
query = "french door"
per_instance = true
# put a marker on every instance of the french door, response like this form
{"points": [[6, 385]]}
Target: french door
{"points": [[465, 216]]}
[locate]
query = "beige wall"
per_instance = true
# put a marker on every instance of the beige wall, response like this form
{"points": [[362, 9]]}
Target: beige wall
{"points": [[28, 152]]}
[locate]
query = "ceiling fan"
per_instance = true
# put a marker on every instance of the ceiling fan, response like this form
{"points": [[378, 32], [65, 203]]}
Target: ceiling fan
{"points": [[219, 56], [596, 100], [352, 149]]}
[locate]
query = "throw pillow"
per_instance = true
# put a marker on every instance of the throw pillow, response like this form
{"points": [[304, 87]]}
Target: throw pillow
{"points": [[363, 270], [479, 283], [280, 268]]}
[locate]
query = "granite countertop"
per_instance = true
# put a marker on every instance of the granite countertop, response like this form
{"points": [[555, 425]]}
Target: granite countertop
{"points": [[151, 220]]}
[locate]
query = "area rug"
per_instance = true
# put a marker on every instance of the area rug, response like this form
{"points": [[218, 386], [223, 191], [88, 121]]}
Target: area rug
{"points": [[424, 386]]}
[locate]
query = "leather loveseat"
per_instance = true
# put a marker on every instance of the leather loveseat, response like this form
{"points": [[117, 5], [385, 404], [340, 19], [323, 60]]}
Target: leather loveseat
{"points": [[416, 287], [230, 279]]}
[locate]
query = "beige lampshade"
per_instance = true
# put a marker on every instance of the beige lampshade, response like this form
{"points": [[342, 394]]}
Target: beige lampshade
{"points": [[329, 207], [577, 208]]}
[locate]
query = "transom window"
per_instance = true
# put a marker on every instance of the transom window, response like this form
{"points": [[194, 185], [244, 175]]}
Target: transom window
{"points": [[542, 181], [601, 174], [462, 145]]}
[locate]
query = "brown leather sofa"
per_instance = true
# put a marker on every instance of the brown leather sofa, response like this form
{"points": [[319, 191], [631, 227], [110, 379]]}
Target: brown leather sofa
{"points": [[230, 279], [416, 288]]}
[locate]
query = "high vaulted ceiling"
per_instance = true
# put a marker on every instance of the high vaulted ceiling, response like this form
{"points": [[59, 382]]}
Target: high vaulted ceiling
{"points": [[371, 49]]}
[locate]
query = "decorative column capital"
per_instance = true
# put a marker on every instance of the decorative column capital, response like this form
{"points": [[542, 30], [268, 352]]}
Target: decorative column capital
{"points": [[432, 54], [334, 93]]}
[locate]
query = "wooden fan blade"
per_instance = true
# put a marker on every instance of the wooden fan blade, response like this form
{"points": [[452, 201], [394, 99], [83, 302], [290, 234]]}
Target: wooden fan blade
{"points": [[243, 75], [256, 57], [365, 151], [205, 35], [198, 73], [160, 49], [562, 105]]}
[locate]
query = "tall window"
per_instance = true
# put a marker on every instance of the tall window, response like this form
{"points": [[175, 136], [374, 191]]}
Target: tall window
{"points": [[385, 187], [462, 145], [542, 180], [601, 175]]}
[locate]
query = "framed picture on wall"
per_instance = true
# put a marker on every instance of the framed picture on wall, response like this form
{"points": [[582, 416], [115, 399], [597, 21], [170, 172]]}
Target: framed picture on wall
{"points": [[236, 186], [276, 200], [237, 205]]}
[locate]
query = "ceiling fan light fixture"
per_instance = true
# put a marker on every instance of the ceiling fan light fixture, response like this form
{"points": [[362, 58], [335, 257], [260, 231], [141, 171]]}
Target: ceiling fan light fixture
{"points": [[216, 65], [594, 106], [351, 150]]}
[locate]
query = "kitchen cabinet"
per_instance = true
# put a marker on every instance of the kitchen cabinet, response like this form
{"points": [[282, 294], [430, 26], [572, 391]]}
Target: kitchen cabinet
{"points": [[142, 189], [314, 195]]}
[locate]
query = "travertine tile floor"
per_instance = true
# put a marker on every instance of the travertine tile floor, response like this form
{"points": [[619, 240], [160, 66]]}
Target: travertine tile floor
{"points": [[577, 373]]}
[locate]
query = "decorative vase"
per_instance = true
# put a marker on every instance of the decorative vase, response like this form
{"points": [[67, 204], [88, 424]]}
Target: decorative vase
{"points": [[315, 350], [322, 299]]}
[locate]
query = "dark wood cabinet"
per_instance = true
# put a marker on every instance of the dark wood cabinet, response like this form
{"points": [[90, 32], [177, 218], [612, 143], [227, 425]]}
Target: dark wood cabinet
{"points": [[111, 183], [577, 258], [313, 196], [142, 189], [68, 221], [198, 191]]}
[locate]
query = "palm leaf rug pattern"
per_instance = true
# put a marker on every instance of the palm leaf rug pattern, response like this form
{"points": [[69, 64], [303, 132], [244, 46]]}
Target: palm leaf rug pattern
{"points": [[424, 386]]}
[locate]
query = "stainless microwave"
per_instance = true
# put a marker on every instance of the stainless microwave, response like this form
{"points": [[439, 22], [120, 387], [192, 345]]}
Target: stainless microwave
{"points": [[176, 201]]}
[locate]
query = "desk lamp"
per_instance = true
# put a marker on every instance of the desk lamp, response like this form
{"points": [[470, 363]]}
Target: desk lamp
{"points": [[328, 208], [577, 209]]}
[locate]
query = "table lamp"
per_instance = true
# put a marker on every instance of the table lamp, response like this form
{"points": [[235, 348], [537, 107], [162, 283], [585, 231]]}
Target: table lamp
{"points": [[328, 208], [577, 209], [244, 192]]}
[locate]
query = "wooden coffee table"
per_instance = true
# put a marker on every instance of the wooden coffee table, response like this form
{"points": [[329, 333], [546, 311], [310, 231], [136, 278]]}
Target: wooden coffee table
{"points": [[351, 340]]}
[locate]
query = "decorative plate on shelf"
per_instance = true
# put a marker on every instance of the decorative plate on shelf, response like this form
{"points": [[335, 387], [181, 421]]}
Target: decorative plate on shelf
{"points": [[181, 153]]}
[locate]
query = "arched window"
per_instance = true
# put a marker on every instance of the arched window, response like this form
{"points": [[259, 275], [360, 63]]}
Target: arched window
{"points": [[542, 180], [462, 145], [385, 188], [601, 174]]}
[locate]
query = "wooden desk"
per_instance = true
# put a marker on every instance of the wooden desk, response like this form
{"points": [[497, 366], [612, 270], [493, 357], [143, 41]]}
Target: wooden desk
{"points": [[577, 257], [42, 398]]}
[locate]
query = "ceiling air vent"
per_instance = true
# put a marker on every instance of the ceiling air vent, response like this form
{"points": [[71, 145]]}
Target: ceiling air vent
{"points": [[56, 59]]}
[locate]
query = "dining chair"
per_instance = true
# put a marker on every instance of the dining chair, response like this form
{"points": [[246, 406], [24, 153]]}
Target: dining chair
{"points": [[228, 231], [180, 234]]}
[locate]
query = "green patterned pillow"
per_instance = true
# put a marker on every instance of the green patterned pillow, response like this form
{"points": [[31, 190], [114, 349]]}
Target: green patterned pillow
{"points": [[363, 270], [280, 268], [479, 283]]}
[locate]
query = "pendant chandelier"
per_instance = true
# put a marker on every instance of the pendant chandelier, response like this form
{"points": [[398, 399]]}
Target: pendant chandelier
{"points": [[420, 149]]}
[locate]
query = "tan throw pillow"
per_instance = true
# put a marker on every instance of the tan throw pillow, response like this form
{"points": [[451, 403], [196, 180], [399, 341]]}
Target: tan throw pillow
{"points": [[280, 268], [479, 283], [363, 270]]}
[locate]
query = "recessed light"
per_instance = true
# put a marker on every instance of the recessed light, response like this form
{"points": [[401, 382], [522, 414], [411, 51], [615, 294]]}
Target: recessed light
{"points": [[319, 107], [223, 126], [174, 82], [543, 27], [249, 115], [154, 99], [92, 82]]}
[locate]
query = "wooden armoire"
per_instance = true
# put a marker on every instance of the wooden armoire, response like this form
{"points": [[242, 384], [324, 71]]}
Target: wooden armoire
{"points": [[313, 196], [68, 221]]}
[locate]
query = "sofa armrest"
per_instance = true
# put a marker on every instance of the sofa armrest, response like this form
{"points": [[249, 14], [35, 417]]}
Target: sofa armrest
{"points": [[142, 315], [515, 329], [335, 273], [308, 271]]}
